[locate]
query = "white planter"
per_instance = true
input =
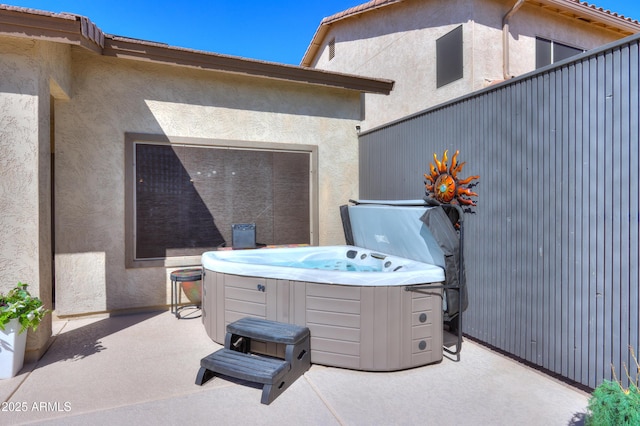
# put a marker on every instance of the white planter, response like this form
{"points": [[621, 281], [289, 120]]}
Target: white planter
{"points": [[12, 346]]}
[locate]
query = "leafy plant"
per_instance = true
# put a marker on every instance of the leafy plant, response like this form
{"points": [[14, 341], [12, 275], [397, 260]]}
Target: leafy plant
{"points": [[18, 303], [613, 404]]}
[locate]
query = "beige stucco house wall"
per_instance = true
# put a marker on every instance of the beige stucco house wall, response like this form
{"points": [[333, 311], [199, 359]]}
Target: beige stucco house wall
{"points": [[31, 72], [71, 94], [396, 39], [112, 97]]}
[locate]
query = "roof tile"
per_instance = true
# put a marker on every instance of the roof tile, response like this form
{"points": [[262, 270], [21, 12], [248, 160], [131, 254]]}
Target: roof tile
{"points": [[365, 7], [375, 4]]}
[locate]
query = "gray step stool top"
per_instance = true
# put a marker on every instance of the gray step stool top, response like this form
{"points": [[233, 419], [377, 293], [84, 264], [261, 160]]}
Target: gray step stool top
{"points": [[270, 331]]}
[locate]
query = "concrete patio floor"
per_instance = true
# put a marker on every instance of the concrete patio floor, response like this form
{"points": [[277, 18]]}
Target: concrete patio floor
{"points": [[140, 369]]}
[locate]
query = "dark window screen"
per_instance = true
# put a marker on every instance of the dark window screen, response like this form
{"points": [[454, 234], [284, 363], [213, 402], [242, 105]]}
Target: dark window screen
{"points": [[543, 52], [562, 51], [550, 52], [187, 197], [449, 57]]}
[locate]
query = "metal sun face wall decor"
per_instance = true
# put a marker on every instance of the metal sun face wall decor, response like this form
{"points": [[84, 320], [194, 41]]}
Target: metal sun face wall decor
{"points": [[444, 185]]}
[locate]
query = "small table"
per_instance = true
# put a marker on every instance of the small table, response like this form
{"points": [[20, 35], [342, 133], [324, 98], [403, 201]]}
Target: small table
{"points": [[180, 276]]}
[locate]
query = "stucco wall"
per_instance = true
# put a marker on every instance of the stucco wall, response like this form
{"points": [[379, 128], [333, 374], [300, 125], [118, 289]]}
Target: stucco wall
{"points": [[112, 96], [19, 78], [27, 70], [398, 42], [531, 22]]}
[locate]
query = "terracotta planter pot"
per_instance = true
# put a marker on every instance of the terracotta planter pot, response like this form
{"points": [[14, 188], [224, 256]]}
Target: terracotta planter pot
{"points": [[193, 291]]}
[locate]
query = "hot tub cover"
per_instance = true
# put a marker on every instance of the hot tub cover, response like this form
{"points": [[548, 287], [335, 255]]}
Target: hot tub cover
{"points": [[395, 229], [411, 229]]}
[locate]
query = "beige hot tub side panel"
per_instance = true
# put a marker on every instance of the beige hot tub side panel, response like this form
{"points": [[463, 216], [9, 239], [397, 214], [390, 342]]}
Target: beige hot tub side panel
{"points": [[373, 328], [364, 328]]}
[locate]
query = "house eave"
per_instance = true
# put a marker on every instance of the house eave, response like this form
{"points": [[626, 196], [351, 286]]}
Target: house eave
{"points": [[80, 31], [124, 48], [56, 27], [591, 14]]}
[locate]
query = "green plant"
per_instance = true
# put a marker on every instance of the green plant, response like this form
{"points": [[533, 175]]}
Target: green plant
{"points": [[18, 303], [613, 404]]}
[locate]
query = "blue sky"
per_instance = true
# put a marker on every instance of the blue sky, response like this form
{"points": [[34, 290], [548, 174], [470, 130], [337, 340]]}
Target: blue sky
{"points": [[270, 30]]}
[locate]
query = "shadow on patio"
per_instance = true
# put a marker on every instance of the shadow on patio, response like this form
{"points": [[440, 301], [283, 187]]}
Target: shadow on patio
{"points": [[142, 368]]}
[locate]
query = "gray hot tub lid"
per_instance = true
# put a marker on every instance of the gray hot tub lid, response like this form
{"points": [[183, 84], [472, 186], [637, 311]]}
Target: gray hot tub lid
{"points": [[394, 227]]}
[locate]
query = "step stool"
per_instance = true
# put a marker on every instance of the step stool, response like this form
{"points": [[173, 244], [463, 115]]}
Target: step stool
{"points": [[275, 374]]}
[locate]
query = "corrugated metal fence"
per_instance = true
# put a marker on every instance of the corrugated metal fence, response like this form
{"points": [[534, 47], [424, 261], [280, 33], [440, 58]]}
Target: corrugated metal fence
{"points": [[552, 247]]}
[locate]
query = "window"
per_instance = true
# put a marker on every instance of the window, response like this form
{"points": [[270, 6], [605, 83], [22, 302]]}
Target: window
{"points": [[182, 198], [550, 52], [449, 57], [332, 48]]}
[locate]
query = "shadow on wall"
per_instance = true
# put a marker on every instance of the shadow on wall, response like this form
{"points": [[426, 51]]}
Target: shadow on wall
{"points": [[171, 217], [90, 171]]}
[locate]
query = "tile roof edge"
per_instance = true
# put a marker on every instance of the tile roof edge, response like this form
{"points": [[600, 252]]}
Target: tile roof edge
{"points": [[32, 11], [78, 30], [89, 31], [377, 4], [131, 48], [356, 10], [605, 11], [322, 30]]}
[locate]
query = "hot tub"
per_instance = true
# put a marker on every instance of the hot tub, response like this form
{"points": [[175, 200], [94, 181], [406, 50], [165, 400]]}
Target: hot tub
{"points": [[353, 298], [344, 265]]}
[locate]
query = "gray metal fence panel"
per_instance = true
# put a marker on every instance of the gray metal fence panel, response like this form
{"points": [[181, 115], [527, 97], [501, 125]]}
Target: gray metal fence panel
{"points": [[552, 249]]}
